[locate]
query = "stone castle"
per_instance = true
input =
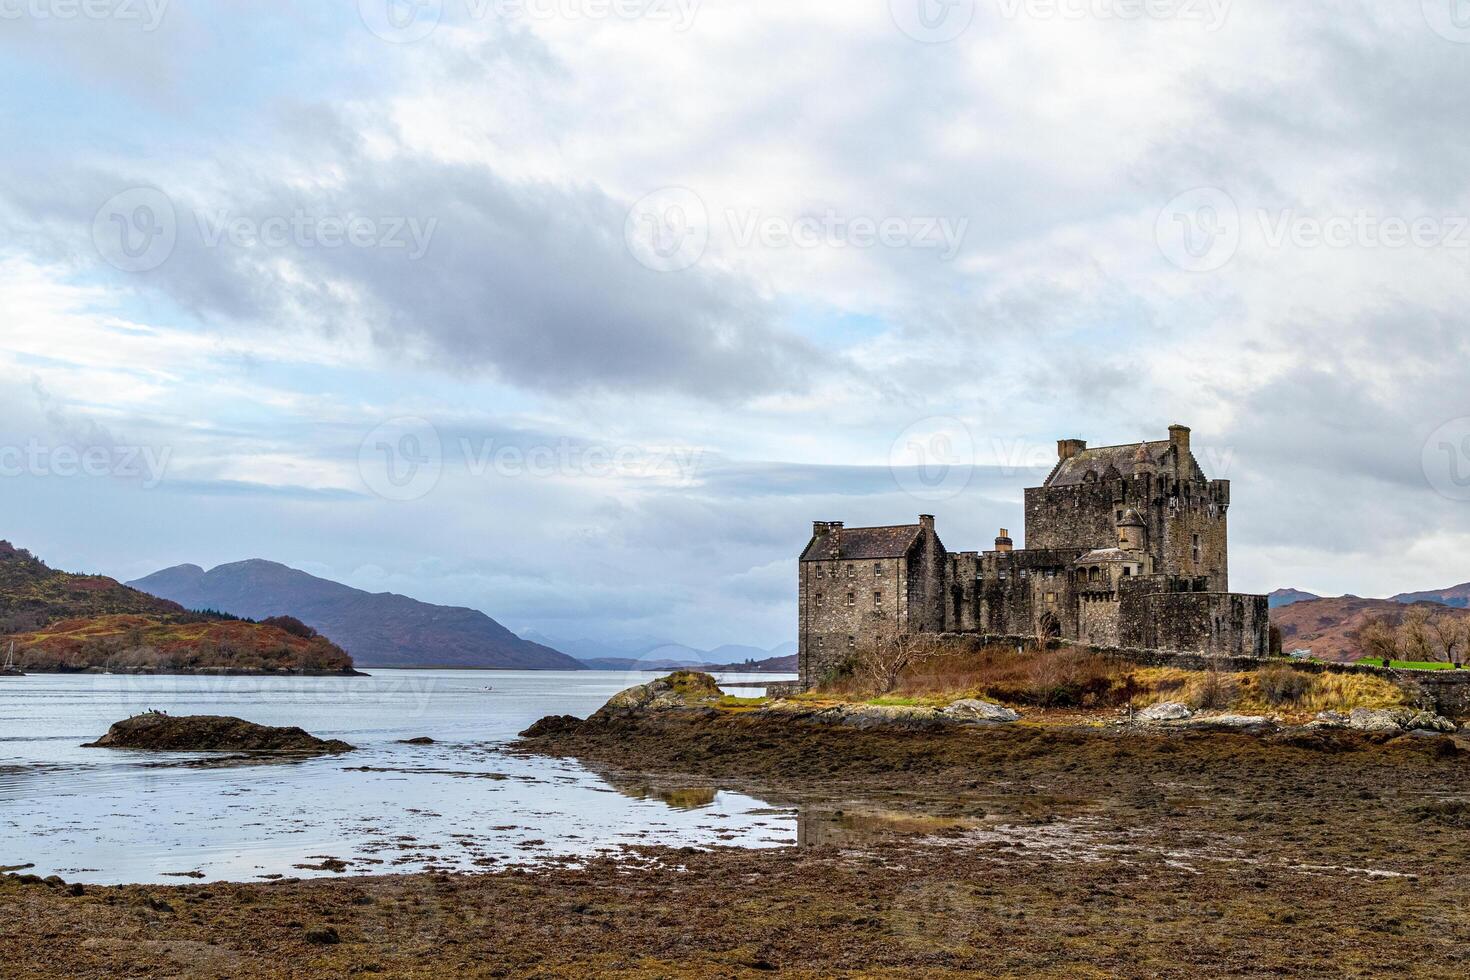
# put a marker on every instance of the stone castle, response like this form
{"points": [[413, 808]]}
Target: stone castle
{"points": [[1125, 547]]}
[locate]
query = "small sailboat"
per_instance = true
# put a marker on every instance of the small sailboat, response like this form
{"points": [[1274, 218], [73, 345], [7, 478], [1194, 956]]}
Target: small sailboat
{"points": [[10, 669]]}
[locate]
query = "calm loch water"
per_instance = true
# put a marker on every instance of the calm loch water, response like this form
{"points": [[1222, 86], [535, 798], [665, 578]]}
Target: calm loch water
{"points": [[108, 816]]}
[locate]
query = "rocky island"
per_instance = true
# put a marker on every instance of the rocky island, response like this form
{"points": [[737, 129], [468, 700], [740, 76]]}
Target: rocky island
{"points": [[158, 732]]}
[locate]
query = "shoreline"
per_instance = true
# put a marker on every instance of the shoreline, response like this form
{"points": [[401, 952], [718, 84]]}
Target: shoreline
{"points": [[995, 851]]}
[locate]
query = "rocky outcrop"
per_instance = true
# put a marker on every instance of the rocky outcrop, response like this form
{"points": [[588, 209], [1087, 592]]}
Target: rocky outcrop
{"points": [[682, 689], [1387, 720], [1166, 711], [972, 710], [159, 732], [693, 694]]}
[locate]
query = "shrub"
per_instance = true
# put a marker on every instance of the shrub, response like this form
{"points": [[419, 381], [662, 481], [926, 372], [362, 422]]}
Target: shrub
{"points": [[1282, 685], [1215, 691], [291, 625]]}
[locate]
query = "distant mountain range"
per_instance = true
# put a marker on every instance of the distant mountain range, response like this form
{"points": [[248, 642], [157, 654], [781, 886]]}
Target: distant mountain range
{"points": [[1329, 626], [651, 653], [1457, 596], [378, 629], [1286, 597]]}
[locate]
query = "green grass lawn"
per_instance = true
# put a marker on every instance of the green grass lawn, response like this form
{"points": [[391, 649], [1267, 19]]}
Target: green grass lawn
{"points": [[1407, 664]]}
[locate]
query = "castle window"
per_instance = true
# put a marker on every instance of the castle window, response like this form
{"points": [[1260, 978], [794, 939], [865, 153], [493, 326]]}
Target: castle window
{"points": [[1196, 549], [877, 569], [852, 643], [820, 641], [819, 571], [1127, 570], [877, 600], [852, 598], [852, 571], [819, 600]]}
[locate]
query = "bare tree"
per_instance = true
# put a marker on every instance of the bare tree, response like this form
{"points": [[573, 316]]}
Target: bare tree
{"points": [[1379, 639], [882, 665], [1450, 635], [1414, 638]]}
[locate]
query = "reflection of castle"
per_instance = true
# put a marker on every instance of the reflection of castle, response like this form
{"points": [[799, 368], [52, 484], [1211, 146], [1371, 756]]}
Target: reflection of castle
{"points": [[1126, 547]]}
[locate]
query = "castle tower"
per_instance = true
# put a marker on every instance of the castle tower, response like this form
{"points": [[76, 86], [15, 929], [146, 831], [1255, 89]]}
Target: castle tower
{"points": [[1132, 532]]}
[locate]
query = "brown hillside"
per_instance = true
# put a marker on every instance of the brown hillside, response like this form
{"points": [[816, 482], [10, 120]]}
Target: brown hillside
{"points": [[64, 622], [33, 594], [145, 642], [1329, 627]]}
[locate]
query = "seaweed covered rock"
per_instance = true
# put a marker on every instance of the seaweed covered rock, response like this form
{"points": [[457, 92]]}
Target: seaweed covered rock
{"points": [[211, 733], [1397, 720], [681, 689], [554, 725], [973, 710]]}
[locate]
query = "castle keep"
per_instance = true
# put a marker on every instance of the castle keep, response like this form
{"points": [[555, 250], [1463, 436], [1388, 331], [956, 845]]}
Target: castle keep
{"points": [[1126, 547]]}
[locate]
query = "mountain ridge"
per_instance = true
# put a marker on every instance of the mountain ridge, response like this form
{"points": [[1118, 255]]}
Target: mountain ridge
{"points": [[379, 629]]}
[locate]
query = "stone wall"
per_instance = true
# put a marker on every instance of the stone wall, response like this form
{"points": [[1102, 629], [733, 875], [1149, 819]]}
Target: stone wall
{"points": [[1217, 623], [832, 630], [1084, 516]]}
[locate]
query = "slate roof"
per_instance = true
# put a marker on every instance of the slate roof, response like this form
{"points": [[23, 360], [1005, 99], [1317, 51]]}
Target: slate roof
{"points": [[1108, 462], [859, 543]]}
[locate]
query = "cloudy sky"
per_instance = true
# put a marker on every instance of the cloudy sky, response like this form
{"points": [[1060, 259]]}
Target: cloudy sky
{"points": [[580, 311]]}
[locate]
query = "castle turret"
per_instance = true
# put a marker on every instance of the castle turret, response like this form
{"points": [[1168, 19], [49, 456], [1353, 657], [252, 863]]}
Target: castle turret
{"points": [[1132, 532]]}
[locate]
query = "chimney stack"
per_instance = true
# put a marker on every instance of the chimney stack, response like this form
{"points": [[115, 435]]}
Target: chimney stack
{"points": [[1003, 543], [1179, 439], [926, 521], [1067, 448], [819, 529]]}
